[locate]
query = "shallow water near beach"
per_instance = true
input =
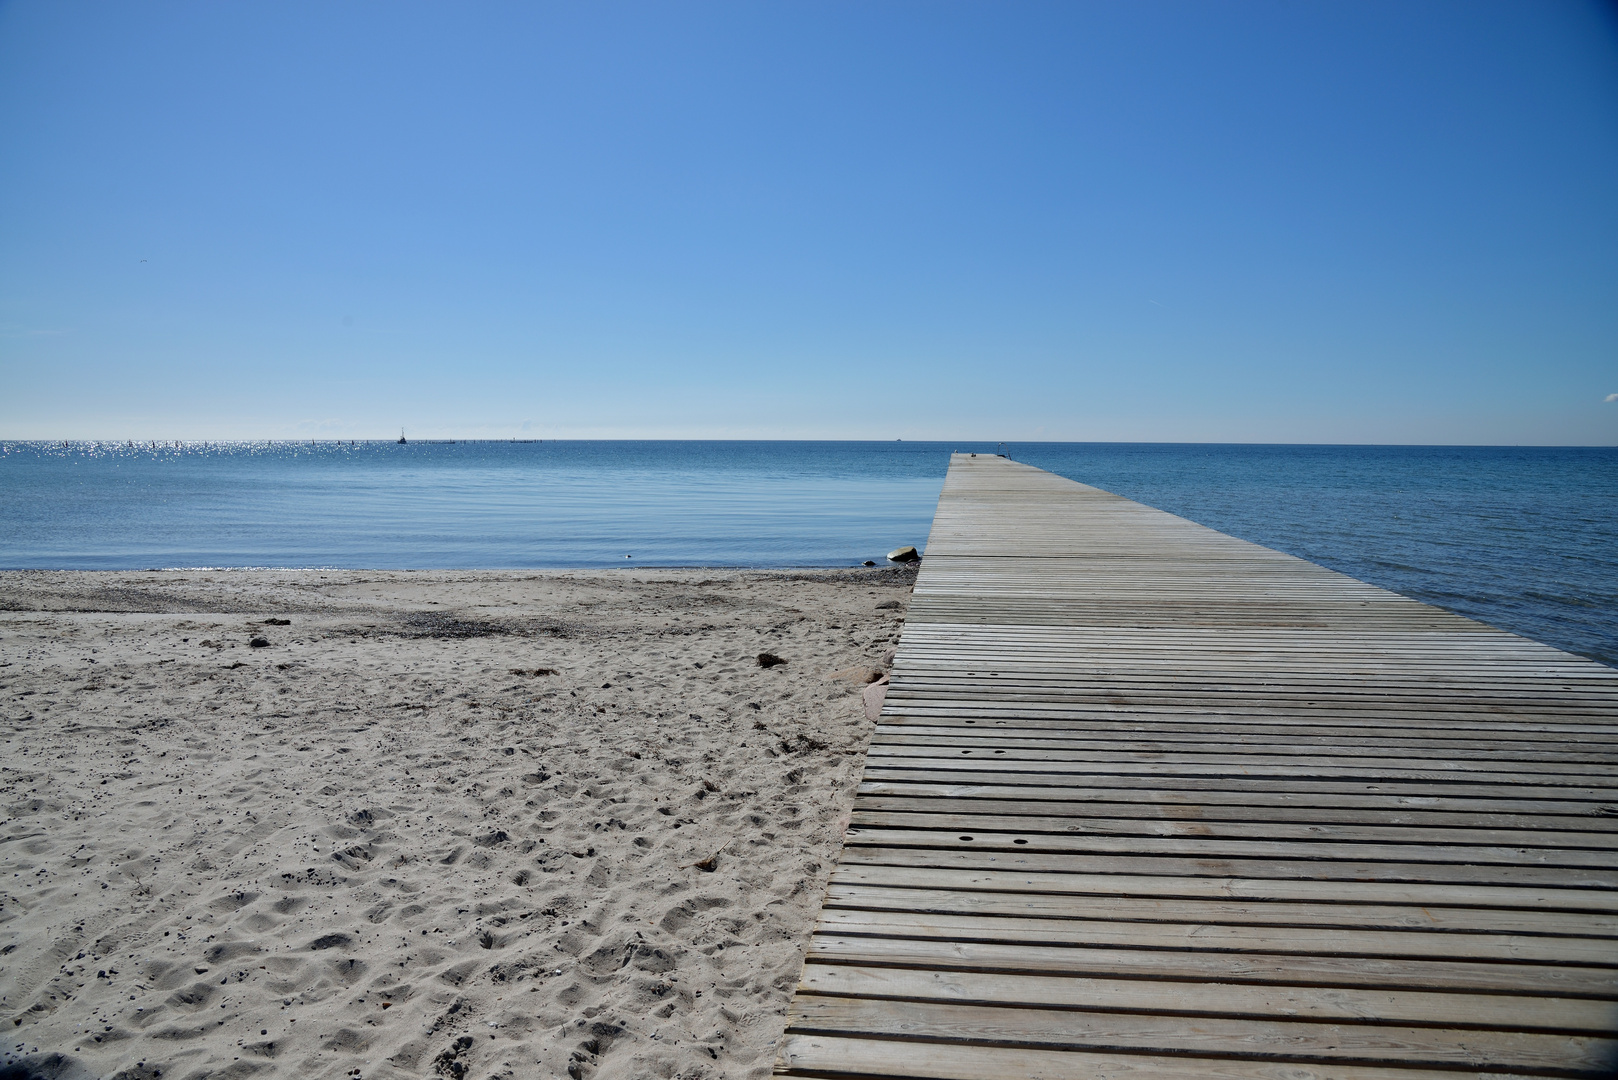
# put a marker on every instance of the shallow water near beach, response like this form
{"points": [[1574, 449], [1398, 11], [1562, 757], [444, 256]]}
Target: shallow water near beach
{"points": [[1523, 538]]}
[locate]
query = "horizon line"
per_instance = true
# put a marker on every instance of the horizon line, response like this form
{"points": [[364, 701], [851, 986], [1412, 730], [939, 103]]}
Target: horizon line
{"points": [[149, 443]]}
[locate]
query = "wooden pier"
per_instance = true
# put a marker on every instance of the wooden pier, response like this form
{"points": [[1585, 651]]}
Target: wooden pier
{"points": [[1146, 800]]}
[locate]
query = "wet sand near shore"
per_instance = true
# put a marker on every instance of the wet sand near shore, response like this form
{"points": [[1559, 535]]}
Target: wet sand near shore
{"points": [[440, 824]]}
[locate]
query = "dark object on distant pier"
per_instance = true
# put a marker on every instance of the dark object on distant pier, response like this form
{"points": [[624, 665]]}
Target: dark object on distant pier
{"points": [[277, 622], [258, 643], [769, 659], [868, 562], [904, 554]]}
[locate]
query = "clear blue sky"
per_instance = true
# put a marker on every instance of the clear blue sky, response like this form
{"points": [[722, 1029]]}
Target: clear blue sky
{"points": [[1204, 220]]}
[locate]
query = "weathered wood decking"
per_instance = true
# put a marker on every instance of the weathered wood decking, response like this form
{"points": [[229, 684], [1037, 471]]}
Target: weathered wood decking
{"points": [[1147, 800]]}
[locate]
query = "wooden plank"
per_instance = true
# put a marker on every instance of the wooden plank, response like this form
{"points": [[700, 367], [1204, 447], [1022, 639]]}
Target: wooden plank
{"points": [[976, 821], [1578, 1016], [1321, 761], [1067, 906], [1190, 789], [1195, 797], [1408, 771], [1599, 800], [1032, 843], [1256, 1038], [823, 1056], [1368, 743], [1296, 865], [1148, 800], [1273, 969], [1199, 935], [1038, 805], [1125, 708], [1321, 893]]}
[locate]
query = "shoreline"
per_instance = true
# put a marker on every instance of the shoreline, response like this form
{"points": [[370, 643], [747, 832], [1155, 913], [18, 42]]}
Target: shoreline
{"points": [[603, 568], [447, 823]]}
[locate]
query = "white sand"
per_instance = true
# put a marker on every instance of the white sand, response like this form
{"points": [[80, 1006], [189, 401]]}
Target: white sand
{"points": [[371, 850]]}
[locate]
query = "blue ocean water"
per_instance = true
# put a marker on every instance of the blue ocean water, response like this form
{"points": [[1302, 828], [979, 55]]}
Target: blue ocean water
{"points": [[1523, 538]]}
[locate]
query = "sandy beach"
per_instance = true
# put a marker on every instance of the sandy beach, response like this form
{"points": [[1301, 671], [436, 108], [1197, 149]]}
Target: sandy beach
{"points": [[457, 824]]}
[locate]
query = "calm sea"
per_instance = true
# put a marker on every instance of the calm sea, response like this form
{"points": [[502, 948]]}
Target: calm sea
{"points": [[1524, 538]]}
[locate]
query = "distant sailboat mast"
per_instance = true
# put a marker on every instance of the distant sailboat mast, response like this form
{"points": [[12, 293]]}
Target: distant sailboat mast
{"points": [[401, 437]]}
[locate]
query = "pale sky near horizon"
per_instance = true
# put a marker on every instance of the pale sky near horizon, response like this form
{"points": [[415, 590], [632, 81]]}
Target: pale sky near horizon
{"points": [[1160, 221]]}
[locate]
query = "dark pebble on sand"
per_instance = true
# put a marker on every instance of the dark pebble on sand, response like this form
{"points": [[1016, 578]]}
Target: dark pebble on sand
{"points": [[259, 643], [769, 660], [329, 941], [277, 622]]}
